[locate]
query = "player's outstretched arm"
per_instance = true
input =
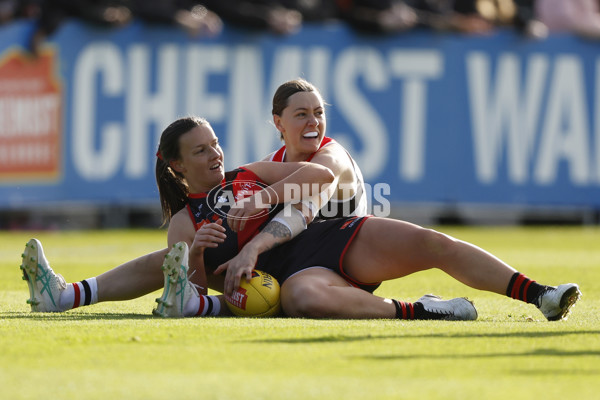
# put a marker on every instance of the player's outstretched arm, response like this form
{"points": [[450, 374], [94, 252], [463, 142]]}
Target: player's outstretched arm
{"points": [[288, 182]]}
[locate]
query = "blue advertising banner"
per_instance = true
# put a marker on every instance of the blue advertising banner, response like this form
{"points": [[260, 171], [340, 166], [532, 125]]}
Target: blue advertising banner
{"points": [[447, 118]]}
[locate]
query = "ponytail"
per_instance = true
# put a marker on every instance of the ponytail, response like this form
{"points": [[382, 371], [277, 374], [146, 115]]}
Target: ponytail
{"points": [[172, 187]]}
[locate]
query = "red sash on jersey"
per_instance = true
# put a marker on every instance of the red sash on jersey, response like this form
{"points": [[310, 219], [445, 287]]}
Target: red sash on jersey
{"points": [[280, 154], [244, 183]]}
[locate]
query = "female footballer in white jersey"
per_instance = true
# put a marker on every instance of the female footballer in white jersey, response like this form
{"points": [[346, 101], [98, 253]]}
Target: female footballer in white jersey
{"points": [[299, 115], [320, 291]]}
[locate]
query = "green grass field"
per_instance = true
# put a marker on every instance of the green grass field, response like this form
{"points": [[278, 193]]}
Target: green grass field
{"points": [[120, 351]]}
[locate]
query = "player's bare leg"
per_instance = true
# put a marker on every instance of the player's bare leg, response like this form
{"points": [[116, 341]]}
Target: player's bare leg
{"points": [[132, 279], [322, 293], [50, 293], [386, 249]]}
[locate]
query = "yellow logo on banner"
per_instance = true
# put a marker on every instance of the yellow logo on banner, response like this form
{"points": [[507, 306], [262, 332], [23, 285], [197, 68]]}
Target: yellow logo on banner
{"points": [[30, 117]]}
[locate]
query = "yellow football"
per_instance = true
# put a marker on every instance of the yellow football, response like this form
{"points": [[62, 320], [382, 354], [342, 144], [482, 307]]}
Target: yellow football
{"points": [[257, 298]]}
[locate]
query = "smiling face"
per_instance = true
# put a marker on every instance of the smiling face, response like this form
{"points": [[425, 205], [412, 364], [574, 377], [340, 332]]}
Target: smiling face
{"points": [[302, 124], [201, 159]]}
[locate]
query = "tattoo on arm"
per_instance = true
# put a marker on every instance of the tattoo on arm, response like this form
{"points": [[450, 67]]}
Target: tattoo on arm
{"points": [[279, 231]]}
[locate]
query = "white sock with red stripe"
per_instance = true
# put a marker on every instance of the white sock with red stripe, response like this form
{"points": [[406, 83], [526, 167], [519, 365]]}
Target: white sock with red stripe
{"points": [[201, 306], [79, 294]]}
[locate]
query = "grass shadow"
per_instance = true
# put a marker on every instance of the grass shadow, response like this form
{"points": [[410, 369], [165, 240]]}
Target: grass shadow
{"points": [[347, 338], [541, 352], [74, 316]]}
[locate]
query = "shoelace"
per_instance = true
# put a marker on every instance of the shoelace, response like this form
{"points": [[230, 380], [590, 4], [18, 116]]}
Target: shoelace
{"points": [[192, 283], [538, 300]]}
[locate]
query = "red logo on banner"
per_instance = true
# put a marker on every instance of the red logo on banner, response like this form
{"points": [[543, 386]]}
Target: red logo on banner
{"points": [[30, 117]]}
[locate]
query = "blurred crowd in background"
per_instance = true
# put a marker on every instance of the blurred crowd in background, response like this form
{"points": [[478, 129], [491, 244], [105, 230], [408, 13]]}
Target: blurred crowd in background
{"points": [[532, 18]]}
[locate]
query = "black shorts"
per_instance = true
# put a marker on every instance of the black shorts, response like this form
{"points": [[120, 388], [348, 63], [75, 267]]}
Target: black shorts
{"points": [[323, 244]]}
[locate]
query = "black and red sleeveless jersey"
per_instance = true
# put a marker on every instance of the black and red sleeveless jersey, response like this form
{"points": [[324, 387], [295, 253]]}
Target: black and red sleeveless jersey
{"points": [[214, 205], [354, 206]]}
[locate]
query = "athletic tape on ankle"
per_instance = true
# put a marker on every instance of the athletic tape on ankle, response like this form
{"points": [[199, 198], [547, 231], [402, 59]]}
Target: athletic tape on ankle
{"points": [[292, 219]]}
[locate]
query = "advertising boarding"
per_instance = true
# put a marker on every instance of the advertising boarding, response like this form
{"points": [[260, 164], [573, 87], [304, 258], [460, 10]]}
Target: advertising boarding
{"points": [[429, 117]]}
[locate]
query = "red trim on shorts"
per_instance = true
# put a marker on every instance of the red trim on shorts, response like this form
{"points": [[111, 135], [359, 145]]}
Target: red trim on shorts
{"points": [[347, 277], [77, 295]]}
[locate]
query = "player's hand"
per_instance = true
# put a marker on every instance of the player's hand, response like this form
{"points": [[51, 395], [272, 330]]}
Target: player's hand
{"points": [[209, 235], [243, 210], [238, 268]]}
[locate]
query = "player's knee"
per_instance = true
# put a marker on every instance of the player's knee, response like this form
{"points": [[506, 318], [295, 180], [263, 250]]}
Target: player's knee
{"points": [[437, 244], [305, 301]]}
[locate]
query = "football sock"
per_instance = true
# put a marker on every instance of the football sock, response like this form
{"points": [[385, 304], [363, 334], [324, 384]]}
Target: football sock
{"points": [[209, 305], [79, 294], [522, 288], [202, 306], [405, 310]]}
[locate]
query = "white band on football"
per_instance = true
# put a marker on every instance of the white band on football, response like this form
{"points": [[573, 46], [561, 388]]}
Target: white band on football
{"points": [[292, 218]]}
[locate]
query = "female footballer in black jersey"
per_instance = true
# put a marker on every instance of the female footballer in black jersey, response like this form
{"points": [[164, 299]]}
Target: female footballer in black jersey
{"points": [[299, 115], [351, 256], [357, 253]]}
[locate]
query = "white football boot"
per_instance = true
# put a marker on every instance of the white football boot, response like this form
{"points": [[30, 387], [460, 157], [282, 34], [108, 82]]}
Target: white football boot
{"points": [[45, 286], [177, 288], [458, 309], [556, 302]]}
